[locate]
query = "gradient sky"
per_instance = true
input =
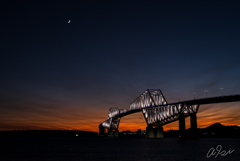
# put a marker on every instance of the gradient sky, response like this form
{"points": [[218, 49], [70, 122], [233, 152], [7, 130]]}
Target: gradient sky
{"points": [[55, 75]]}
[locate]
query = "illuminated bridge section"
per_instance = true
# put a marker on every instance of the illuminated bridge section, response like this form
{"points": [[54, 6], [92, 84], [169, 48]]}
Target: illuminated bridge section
{"points": [[112, 122], [150, 97], [164, 114], [156, 110]]}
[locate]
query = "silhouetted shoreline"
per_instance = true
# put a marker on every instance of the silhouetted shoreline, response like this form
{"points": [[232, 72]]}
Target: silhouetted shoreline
{"points": [[216, 130], [46, 133]]}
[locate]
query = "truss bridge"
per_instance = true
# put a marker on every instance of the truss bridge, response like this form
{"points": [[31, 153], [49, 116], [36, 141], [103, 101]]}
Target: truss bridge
{"points": [[158, 112]]}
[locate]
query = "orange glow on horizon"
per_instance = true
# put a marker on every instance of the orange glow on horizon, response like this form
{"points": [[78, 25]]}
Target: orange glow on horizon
{"points": [[123, 127], [75, 120]]}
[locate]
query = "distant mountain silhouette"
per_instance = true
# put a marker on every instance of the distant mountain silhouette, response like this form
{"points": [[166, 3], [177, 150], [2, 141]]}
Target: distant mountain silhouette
{"points": [[216, 130], [216, 125], [220, 126]]}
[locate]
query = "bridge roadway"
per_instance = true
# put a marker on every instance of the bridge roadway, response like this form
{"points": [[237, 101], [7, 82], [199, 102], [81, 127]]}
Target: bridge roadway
{"points": [[202, 101]]}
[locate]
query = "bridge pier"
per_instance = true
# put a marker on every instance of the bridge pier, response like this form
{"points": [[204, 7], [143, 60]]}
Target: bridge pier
{"points": [[159, 132], [150, 132], [154, 132], [193, 130], [193, 118], [103, 130], [114, 133], [110, 133], [181, 126]]}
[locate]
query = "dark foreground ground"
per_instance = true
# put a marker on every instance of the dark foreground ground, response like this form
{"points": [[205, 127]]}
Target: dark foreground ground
{"points": [[115, 149]]}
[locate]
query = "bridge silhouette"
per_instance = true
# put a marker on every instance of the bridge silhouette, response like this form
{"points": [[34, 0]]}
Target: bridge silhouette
{"points": [[157, 112]]}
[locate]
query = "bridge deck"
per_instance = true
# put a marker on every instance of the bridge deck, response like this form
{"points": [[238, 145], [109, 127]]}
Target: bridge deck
{"points": [[209, 100]]}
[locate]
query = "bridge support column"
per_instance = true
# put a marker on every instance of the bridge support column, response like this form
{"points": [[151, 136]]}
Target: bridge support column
{"points": [[154, 132], [110, 133], [159, 132], [114, 133], [193, 118], [103, 130], [181, 126], [150, 132]]}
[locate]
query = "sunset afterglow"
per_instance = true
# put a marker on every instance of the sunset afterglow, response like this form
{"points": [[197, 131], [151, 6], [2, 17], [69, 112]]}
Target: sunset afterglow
{"points": [[61, 75]]}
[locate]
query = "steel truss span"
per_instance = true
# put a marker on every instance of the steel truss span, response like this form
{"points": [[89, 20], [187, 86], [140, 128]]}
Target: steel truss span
{"points": [[156, 110], [164, 114], [150, 97]]}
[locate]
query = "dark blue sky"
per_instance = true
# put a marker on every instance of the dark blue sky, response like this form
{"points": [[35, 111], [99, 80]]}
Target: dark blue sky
{"points": [[68, 75]]}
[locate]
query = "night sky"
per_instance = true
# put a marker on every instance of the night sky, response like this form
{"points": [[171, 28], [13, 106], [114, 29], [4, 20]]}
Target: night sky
{"points": [[56, 75]]}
